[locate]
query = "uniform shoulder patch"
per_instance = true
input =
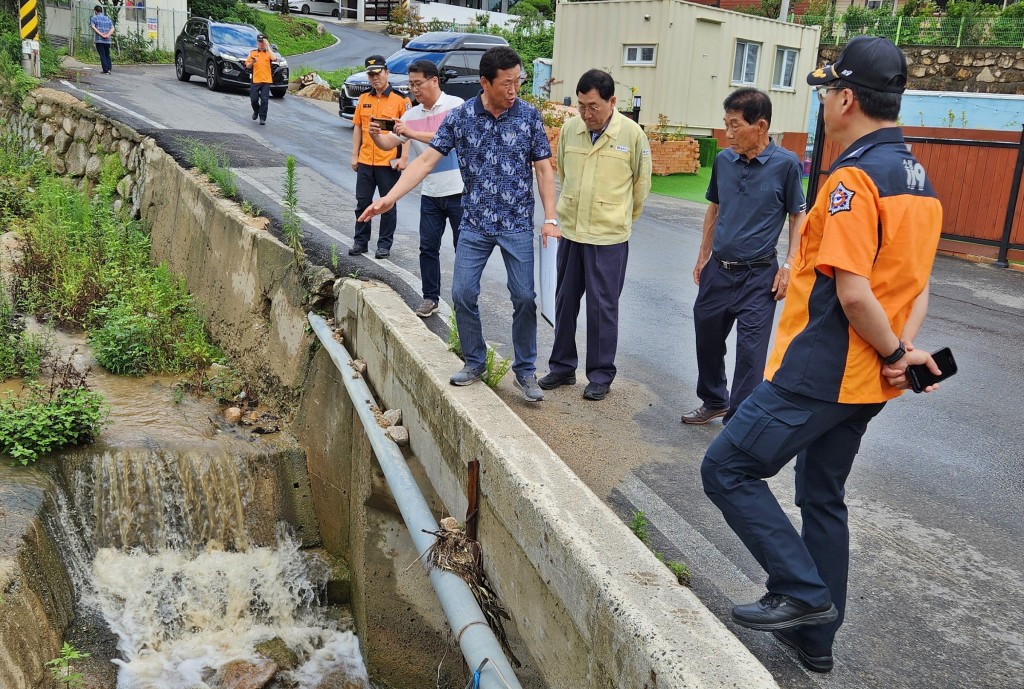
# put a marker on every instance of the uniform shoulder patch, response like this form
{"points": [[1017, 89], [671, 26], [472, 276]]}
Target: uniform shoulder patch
{"points": [[840, 199]]}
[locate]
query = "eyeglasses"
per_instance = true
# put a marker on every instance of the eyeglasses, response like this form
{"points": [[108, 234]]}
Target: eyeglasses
{"points": [[417, 84], [590, 107], [823, 91]]}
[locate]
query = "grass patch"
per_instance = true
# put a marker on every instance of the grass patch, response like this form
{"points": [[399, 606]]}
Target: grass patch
{"points": [[336, 77], [686, 187], [22, 354], [294, 35], [497, 367], [213, 162]]}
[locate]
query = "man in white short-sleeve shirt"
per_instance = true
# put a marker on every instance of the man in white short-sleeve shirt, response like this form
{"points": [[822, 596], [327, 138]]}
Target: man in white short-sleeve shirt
{"points": [[441, 195]]}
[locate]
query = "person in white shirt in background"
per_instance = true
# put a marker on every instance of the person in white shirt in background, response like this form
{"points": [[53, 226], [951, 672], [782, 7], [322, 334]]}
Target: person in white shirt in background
{"points": [[441, 197]]}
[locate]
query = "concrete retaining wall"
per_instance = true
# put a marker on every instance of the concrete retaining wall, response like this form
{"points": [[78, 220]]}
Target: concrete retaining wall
{"points": [[590, 605]]}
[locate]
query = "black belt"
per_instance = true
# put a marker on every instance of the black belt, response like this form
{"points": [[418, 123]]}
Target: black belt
{"points": [[759, 262]]}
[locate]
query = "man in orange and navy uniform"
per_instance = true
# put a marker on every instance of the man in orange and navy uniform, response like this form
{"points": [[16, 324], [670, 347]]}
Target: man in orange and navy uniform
{"points": [[260, 61], [376, 169], [857, 297]]}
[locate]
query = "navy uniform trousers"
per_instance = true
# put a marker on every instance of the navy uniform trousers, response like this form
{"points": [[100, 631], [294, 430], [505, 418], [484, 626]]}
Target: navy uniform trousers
{"points": [[770, 428], [742, 297], [382, 178], [600, 272]]}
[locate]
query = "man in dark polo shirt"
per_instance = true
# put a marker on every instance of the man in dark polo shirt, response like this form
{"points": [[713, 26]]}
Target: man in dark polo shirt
{"points": [[754, 185]]}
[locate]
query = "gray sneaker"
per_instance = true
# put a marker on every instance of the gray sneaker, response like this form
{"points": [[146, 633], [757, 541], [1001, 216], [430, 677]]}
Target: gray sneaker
{"points": [[426, 309], [531, 390], [468, 375]]}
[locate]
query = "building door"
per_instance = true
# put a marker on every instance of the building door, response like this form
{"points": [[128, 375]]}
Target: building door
{"points": [[708, 71]]}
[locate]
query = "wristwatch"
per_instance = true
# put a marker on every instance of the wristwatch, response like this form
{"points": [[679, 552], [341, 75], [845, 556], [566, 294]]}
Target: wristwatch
{"points": [[895, 356], [551, 221]]}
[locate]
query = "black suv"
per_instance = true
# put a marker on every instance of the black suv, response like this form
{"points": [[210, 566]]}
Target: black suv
{"points": [[217, 51], [457, 56]]}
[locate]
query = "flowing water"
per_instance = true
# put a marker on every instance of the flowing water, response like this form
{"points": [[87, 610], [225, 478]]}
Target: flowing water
{"points": [[167, 528]]}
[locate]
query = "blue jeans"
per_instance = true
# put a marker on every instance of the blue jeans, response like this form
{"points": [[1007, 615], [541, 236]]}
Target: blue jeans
{"points": [[434, 210], [104, 51], [259, 98], [470, 258]]}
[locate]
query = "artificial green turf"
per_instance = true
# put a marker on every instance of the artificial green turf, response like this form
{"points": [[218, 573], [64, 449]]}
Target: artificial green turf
{"points": [[688, 187]]}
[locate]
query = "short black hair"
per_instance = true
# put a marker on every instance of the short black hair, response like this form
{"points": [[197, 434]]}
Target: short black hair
{"points": [[752, 103], [878, 105], [425, 67], [98, 8], [597, 79], [496, 59]]}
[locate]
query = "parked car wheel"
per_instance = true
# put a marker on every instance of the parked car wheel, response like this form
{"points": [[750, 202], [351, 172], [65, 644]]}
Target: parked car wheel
{"points": [[278, 93], [305, 9], [212, 82], [335, 14], [179, 68]]}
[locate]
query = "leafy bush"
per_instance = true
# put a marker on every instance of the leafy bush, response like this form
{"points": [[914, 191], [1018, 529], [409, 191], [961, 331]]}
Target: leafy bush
{"points": [[22, 353], [212, 9], [1008, 28], [14, 83], [43, 420], [243, 14]]}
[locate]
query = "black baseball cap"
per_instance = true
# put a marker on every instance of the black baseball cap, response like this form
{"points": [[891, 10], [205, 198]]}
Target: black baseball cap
{"points": [[260, 37], [375, 63], [869, 61]]}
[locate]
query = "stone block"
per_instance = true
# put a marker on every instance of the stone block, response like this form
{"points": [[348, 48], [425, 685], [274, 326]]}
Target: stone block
{"points": [[93, 167], [986, 76], [84, 129], [68, 125], [942, 59], [61, 141], [77, 159]]}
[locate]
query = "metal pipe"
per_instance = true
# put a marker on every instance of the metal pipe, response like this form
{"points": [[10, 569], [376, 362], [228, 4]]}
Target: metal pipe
{"points": [[1011, 207], [460, 608]]}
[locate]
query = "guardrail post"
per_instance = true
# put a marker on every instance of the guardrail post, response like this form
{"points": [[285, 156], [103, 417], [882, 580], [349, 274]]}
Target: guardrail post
{"points": [[1011, 206]]}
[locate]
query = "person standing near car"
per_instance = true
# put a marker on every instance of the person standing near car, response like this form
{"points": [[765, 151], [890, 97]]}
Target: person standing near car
{"points": [[754, 186], [376, 168], [501, 145], [441, 197], [103, 27], [260, 61], [604, 163]]}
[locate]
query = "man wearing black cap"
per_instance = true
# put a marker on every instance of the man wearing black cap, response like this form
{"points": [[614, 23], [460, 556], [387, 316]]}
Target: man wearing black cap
{"points": [[260, 61], [376, 169], [857, 297]]}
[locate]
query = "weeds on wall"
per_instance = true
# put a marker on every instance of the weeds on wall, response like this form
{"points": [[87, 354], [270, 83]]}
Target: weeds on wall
{"points": [[497, 366], [292, 226], [62, 670], [22, 353], [640, 526], [213, 162]]}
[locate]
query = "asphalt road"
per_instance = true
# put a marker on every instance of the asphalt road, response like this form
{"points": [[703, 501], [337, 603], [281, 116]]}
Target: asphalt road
{"points": [[936, 494]]}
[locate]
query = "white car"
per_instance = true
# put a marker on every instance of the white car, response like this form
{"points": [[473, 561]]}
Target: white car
{"points": [[328, 7]]}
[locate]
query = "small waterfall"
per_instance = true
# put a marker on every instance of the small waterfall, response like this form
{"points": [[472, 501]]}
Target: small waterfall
{"points": [[156, 541]]}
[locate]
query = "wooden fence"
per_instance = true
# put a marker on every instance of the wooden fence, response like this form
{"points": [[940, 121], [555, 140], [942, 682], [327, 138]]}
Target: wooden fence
{"points": [[977, 176]]}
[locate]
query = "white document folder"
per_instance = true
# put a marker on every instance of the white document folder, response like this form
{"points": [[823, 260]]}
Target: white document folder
{"points": [[548, 277]]}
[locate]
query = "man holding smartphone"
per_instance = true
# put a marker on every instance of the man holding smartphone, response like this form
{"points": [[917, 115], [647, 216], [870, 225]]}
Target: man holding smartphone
{"points": [[260, 61], [857, 297]]}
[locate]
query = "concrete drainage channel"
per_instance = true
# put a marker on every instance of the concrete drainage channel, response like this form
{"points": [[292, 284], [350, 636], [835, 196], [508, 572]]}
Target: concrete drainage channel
{"points": [[590, 606]]}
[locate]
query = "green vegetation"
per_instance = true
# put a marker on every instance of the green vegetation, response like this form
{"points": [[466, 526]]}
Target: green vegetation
{"points": [[85, 265], [22, 354], [292, 225], [497, 367], [213, 162], [293, 35], [639, 525], [61, 667], [454, 343], [42, 420], [334, 257]]}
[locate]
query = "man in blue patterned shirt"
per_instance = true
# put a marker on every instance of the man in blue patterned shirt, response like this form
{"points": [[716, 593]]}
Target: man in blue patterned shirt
{"points": [[103, 27], [500, 142]]}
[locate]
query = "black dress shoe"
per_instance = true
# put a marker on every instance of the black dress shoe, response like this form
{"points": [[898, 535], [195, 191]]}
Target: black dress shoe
{"points": [[815, 661], [382, 253], [556, 380], [595, 391], [702, 415], [357, 249], [775, 611]]}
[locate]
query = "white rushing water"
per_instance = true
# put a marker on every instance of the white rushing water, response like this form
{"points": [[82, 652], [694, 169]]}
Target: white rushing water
{"points": [[162, 554]]}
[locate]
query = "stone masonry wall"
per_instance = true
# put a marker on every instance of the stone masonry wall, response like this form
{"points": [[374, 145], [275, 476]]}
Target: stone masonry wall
{"points": [[973, 70]]}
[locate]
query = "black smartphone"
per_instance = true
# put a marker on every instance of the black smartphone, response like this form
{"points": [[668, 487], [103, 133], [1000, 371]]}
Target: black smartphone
{"points": [[385, 125], [920, 377]]}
